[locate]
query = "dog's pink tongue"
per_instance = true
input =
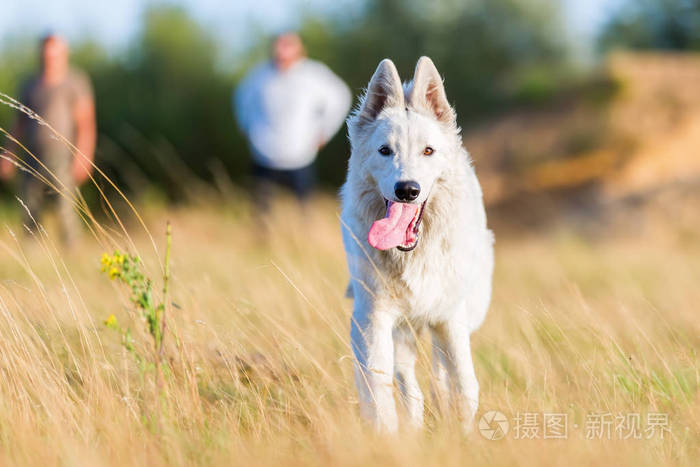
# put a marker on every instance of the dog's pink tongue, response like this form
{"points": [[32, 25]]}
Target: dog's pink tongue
{"points": [[393, 229]]}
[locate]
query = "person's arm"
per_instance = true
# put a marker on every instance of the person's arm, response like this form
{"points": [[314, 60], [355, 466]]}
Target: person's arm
{"points": [[7, 168], [85, 136], [337, 100], [244, 100]]}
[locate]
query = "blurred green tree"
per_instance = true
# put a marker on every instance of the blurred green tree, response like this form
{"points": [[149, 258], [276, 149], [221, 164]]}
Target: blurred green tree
{"points": [[654, 24], [164, 109]]}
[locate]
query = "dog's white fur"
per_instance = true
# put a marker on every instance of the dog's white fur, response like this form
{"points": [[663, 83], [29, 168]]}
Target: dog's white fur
{"points": [[445, 282]]}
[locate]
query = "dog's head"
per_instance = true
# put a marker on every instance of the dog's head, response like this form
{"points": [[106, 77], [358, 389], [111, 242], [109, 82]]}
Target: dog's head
{"points": [[404, 138]]}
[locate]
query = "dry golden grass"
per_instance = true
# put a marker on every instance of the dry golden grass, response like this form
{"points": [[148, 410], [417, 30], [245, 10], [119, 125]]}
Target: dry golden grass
{"points": [[262, 370]]}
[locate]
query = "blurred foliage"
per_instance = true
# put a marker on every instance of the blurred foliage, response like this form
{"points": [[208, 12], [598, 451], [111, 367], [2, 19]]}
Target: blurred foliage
{"points": [[654, 24], [163, 109], [164, 105]]}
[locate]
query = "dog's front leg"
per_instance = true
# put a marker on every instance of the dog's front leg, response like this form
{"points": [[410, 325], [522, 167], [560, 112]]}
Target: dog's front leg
{"points": [[440, 384], [405, 350], [374, 352], [454, 341]]}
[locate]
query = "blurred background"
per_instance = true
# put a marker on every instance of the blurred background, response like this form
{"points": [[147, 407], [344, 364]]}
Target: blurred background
{"points": [[583, 120], [572, 103]]}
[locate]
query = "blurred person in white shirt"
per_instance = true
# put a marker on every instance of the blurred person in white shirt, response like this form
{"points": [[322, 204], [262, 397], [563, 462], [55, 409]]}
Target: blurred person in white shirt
{"points": [[288, 108]]}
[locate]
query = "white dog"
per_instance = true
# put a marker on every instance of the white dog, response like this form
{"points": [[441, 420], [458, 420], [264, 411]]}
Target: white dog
{"points": [[418, 249]]}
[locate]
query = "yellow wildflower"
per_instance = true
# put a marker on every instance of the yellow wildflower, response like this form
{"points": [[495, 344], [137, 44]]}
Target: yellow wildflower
{"points": [[114, 272], [111, 321]]}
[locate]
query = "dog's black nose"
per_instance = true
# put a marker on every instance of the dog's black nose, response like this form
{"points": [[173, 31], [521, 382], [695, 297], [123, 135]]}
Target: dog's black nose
{"points": [[407, 191]]}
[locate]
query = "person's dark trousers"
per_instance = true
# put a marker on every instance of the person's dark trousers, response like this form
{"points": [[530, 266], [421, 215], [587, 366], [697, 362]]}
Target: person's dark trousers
{"points": [[36, 193], [300, 181]]}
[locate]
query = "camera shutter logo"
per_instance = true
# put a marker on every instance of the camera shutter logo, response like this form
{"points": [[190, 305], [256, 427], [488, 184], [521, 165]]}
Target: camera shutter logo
{"points": [[493, 425]]}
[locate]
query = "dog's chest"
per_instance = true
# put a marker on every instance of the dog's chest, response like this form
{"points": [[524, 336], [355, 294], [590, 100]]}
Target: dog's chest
{"points": [[431, 285]]}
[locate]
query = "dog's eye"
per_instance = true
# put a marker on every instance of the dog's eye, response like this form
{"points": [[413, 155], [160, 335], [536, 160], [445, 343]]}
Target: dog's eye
{"points": [[428, 151], [385, 150]]}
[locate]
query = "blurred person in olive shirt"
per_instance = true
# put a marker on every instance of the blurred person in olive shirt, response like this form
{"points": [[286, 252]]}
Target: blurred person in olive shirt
{"points": [[288, 108], [62, 96]]}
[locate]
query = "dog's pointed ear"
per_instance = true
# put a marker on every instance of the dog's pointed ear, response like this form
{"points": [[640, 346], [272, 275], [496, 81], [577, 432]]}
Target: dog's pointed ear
{"points": [[384, 91], [428, 92]]}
